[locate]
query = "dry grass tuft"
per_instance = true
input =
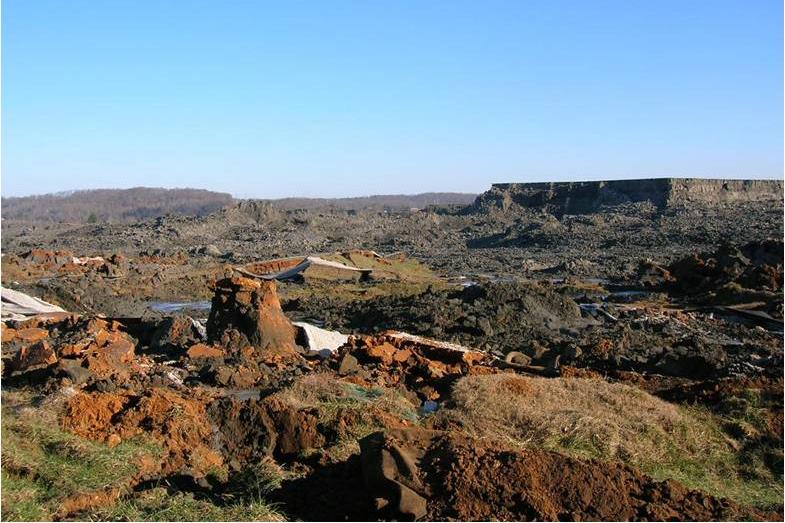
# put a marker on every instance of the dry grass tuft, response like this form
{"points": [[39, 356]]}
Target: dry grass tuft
{"points": [[608, 421], [350, 411], [591, 417], [331, 396]]}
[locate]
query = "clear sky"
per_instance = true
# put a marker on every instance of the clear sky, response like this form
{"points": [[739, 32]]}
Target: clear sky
{"points": [[339, 98]]}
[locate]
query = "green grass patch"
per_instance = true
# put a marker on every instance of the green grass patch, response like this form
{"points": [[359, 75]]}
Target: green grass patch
{"points": [[350, 410], [159, 505], [43, 465]]}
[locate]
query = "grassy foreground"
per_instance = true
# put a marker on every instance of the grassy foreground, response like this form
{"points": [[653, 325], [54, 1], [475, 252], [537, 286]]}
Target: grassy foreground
{"points": [[616, 422], [49, 473]]}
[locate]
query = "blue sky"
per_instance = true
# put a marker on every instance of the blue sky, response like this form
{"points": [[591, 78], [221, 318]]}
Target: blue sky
{"points": [[338, 98]]}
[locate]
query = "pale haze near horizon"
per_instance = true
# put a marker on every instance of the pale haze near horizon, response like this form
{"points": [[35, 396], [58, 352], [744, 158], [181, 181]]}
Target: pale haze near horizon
{"points": [[330, 99]]}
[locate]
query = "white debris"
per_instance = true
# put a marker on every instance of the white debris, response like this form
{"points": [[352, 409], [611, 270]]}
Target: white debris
{"points": [[200, 328], [86, 259], [299, 265], [174, 378], [321, 340], [420, 340], [19, 306], [314, 260]]}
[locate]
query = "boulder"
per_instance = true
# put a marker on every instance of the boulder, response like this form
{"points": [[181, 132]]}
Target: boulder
{"points": [[247, 312], [348, 365], [178, 331], [39, 353]]}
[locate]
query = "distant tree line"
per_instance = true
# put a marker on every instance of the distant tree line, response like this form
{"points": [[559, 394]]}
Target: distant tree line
{"points": [[141, 203], [114, 205], [379, 202]]}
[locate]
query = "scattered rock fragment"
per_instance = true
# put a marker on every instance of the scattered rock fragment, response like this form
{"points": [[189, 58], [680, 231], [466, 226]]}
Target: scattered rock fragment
{"points": [[200, 350], [425, 365], [40, 353], [176, 332]]}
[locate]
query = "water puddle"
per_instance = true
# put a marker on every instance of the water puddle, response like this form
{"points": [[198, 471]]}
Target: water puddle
{"points": [[175, 306], [627, 296]]}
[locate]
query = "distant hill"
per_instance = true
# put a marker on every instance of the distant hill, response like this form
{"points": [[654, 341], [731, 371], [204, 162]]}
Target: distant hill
{"points": [[141, 203], [114, 205], [384, 201]]}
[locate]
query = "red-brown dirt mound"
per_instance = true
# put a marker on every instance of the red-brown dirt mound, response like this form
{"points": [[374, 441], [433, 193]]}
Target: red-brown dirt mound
{"points": [[180, 424], [416, 474]]}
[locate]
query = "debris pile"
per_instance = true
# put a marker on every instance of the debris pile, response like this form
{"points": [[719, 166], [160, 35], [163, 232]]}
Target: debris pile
{"points": [[74, 347], [497, 316], [730, 275], [420, 364], [346, 421], [18, 305]]}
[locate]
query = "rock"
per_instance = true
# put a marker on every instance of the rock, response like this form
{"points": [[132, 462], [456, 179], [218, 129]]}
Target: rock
{"points": [[109, 354], [572, 352], [201, 350], [651, 275], [535, 350], [485, 325], [179, 331], [31, 335], [247, 312], [222, 376], [8, 334], [517, 358], [391, 472], [73, 370], [349, 365], [239, 378], [39, 353], [425, 365], [210, 250], [387, 353]]}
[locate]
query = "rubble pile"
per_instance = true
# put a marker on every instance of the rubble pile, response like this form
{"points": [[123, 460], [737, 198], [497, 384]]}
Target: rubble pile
{"points": [[497, 317], [70, 346], [423, 365], [44, 262], [729, 274]]}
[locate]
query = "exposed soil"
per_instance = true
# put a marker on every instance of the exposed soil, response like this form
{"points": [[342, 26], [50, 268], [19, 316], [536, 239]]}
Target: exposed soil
{"points": [[444, 476]]}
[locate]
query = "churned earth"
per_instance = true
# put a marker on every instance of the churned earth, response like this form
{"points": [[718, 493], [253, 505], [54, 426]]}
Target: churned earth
{"points": [[602, 351]]}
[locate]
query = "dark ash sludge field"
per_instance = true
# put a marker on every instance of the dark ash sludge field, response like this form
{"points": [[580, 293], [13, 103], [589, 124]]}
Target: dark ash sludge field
{"points": [[596, 350]]}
